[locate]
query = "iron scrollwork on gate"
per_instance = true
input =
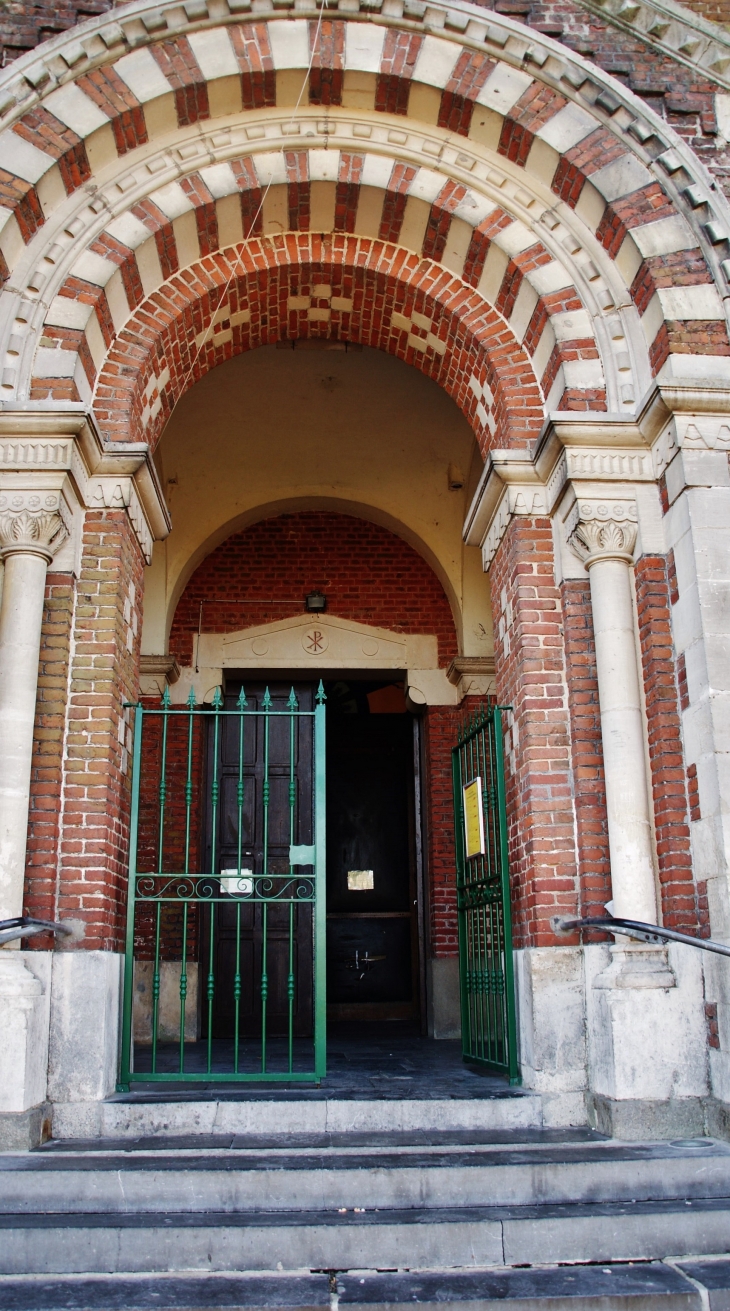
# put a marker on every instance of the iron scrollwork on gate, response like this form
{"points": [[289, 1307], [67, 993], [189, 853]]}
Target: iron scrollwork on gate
{"points": [[488, 1023]]}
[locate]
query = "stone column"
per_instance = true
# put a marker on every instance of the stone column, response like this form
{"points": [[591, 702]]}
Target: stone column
{"points": [[31, 530], [645, 1035], [604, 539]]}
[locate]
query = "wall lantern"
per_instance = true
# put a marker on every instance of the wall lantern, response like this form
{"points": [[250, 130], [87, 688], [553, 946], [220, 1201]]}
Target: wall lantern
{"points": [[315, 602]]}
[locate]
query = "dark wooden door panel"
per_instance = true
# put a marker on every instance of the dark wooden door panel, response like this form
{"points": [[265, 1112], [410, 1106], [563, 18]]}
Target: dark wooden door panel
{"points": [[252, 845]]}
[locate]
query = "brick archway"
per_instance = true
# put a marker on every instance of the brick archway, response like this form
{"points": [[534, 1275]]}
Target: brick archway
{"points": [[367, 292]]}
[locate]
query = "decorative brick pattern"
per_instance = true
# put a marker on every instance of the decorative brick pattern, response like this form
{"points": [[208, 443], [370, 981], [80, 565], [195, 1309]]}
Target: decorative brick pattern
{"points": [[533, 109], [465, 339], [400, 52], [113, 97], [22, 199], [328, 62], [258, 78], [439, 221], [47, 133], [471, 71], [179, 65], [347, 193], [531, 678], [394, 204]]}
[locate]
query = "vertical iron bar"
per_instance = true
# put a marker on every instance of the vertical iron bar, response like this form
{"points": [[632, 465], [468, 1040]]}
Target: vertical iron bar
{"points": [[264, 981], [156, 988], [293, 705], [163, 778], [126, 1055], [320, 886], [456, 770], [216, 706], [189, 779], [183, 986], [509, 983], [237, 983], [266, 705], [240, 705]]}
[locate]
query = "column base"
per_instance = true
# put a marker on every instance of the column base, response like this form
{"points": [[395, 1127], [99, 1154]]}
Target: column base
{"points": [[648, 1065], [444, 1006], [717, 1119], [633, 1119], [635, 966], [22, 1130]]}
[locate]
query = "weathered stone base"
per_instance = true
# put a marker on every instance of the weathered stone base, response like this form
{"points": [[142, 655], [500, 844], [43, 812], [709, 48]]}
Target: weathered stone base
{"points": [[444, 1008], [632, 1119], [717, 1119], [22, 1130]]}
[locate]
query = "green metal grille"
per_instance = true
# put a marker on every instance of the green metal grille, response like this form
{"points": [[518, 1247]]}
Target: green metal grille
{"points": [[174, 905], [488, 1026]]}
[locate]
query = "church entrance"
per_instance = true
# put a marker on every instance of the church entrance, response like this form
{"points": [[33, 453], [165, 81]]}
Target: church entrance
{"points": [[275, 881], [372, 899]]}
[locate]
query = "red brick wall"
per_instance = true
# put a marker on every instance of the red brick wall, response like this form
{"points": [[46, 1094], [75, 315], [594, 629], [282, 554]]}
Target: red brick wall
{"points": [[47, 765], [669, 780], [263, 574], [442, 726], [174, 828], [589, 787], [530, 668], [92, 865]]}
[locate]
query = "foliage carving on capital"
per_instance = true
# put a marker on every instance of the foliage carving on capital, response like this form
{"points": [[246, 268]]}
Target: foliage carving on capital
{"points": [[605, 530], [31, 522]]}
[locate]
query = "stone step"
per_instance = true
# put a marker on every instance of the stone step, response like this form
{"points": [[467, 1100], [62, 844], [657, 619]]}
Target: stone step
{"points": [[385, 1176], [418, 1238], [491, 1106], [647, 1286]]}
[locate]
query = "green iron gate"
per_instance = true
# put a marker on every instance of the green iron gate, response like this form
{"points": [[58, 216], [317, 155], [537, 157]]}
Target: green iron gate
{"points": [[186, 895], [488, 1026]]}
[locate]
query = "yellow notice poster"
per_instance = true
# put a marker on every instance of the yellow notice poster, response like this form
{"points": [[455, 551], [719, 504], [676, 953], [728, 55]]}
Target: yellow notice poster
{"points": [[473, 819]]}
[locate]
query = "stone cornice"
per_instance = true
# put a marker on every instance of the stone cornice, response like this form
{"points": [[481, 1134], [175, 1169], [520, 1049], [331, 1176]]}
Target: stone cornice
{"points": [[595, 448], [64, 445], [675, 31]]}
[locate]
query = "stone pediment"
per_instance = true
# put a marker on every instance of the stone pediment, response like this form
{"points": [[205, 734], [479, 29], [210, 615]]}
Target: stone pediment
{"points": [[317, 642]]}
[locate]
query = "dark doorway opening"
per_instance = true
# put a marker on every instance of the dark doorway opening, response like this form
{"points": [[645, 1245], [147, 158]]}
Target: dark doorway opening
{"points": [[373, 953], [374, 899]]}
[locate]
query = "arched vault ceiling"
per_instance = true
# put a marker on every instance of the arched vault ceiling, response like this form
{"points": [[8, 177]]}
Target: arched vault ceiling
{"points": [[146, 148]]}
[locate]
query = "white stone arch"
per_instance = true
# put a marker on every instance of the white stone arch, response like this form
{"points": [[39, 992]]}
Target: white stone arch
{"points": [[650, 155]]}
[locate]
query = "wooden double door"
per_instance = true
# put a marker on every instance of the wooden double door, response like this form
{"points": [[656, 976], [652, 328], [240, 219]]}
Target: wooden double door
{"points": [[372, 910]]}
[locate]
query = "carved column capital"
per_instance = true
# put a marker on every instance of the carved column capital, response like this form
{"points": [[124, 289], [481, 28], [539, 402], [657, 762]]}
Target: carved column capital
{"points": [[605, 530], [32, 523]]}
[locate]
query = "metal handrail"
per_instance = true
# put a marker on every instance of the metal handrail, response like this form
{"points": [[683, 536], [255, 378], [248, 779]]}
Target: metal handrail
{"points": [[22, 926], [635, 929]]}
